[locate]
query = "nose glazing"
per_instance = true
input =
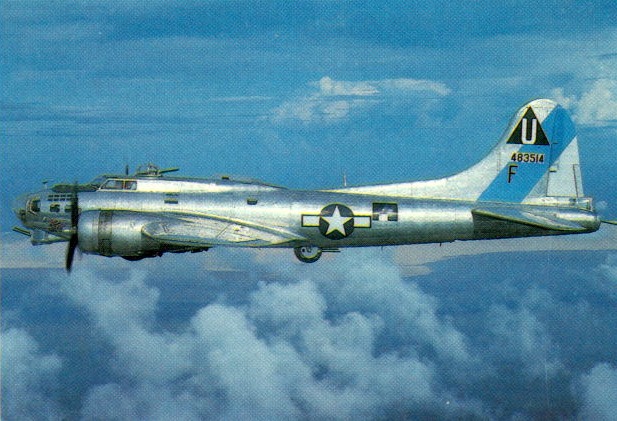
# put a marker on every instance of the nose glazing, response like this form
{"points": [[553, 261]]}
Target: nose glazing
{"points": [[19, 206]]}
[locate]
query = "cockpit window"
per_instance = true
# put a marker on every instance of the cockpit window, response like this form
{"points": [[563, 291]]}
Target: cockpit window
{"points": [[112, 185], [98, 181], [116, 184]]}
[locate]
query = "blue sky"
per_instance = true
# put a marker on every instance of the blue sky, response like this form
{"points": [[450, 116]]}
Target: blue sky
{"points": [[298, 93], [91, 87]]}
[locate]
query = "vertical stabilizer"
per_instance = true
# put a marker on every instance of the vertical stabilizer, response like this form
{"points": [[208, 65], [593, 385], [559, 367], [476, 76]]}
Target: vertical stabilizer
{"points": [[538, 157]]}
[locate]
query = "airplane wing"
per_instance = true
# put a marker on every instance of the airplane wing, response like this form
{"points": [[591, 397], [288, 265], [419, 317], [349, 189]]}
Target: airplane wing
{"points": [[208, 231], [522, 216]]}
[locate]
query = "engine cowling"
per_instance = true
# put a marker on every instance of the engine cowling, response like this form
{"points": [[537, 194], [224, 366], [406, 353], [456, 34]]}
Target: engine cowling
{"points": [[117, 233]]}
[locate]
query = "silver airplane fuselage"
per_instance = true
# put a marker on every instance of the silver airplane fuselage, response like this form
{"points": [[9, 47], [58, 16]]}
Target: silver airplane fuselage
{"points": [[112, 221]]}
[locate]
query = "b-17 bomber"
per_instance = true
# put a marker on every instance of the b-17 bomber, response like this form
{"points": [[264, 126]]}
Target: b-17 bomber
{"points": [[529, 184]]}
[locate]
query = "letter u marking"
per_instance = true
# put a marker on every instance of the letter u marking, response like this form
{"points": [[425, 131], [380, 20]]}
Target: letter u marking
{"points": [[534, 130]]}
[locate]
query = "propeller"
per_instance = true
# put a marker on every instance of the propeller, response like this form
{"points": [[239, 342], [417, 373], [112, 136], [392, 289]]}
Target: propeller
{"points": [[74, 239]]}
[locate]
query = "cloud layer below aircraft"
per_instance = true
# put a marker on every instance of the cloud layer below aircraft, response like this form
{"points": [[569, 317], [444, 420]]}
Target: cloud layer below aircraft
{"points": [[348, 337]]}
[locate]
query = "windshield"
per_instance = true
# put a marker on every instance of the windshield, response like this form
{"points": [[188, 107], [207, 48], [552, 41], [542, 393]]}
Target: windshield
{"points": [[98, 181], [119, 184]]}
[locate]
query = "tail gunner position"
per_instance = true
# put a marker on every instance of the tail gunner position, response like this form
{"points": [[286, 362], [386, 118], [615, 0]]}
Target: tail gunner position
{"points": [[529, 184]]}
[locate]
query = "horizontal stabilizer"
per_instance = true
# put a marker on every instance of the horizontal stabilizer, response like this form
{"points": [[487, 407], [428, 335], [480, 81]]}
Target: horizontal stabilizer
{"points": [[535, 219], [206, 232]]}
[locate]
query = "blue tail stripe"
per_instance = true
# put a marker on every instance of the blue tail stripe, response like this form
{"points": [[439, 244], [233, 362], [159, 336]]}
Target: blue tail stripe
{"points": [[560, 130], [522, 179]]}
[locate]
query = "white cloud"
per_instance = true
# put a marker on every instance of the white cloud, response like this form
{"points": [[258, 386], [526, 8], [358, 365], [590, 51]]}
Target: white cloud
{"points": [[283, 355], [124, 312], [329, 87], [348, 337], [287, 309], [356, 382], [607, 282], [243, 366], [519, 337], [16, 252], [28, 377], [596, 106], [374, 286], [410, 86], [562, 99], [335, 100], [599, 393]]}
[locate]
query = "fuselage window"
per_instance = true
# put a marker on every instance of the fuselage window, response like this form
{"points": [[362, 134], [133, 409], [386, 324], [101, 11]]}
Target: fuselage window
{"points": [[35, 205], [54, 208]]}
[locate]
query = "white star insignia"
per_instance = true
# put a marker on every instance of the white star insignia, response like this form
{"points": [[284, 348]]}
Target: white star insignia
{"points": [[336, 222]]}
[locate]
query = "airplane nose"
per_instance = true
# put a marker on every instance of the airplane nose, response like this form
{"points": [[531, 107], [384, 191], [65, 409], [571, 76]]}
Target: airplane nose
{"points": [[19, 206]]}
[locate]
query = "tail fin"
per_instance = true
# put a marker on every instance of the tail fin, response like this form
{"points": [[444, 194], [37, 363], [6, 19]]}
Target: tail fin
{"points": [[535, 159]]}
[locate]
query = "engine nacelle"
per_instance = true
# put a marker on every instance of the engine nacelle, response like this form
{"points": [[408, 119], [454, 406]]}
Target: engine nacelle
{"points": [[116, 233]]}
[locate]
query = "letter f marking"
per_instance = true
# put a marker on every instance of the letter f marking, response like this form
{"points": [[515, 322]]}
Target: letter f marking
{"points": [[511, 171]]}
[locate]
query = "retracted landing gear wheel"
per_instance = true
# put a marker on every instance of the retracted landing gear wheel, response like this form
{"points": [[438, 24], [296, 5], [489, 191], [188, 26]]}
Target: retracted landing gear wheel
{"points": [[308, 254]]}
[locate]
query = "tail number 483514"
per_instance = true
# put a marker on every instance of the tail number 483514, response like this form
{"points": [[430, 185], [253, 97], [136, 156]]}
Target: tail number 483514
{"points": [[537, 158]]}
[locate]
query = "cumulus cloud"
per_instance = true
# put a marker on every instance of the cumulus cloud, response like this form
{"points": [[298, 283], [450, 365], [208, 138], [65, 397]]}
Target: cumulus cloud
{"points": [[329, 87], [347, 337], [28, 378], [18, 253], [215, 368], [354, 380], [295, 350], [596, 106], [373, 286], [519, 337], [334, 100], [599, 393], [607, 281]]}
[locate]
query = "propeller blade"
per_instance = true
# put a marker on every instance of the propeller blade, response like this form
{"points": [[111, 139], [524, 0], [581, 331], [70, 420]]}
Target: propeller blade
{"points": [[74, 208], [70, 252], [74, 239]]}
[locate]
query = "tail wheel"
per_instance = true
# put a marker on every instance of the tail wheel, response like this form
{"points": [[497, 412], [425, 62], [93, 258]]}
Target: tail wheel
{"points": [[308, 254]]}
